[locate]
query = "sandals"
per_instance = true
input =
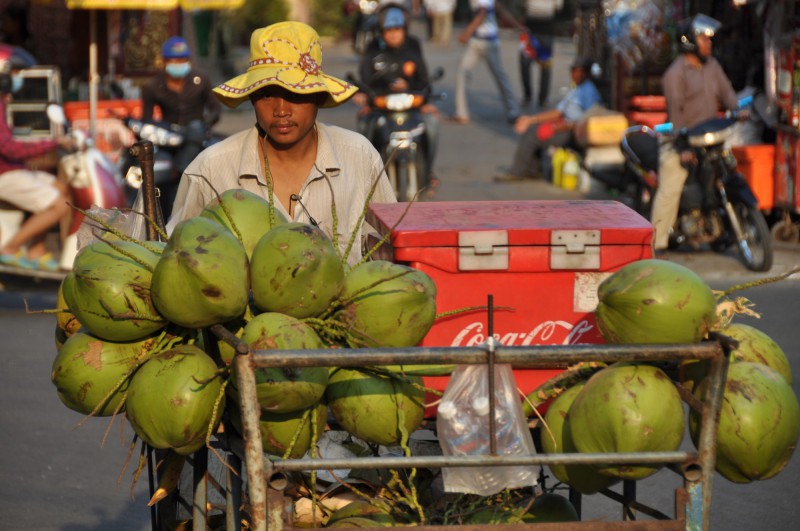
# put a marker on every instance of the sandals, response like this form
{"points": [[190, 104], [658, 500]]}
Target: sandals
{"points": [[46, 262]]}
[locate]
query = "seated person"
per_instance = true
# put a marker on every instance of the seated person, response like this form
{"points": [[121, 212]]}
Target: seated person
{"points": [[552, 127], [35, 192]]}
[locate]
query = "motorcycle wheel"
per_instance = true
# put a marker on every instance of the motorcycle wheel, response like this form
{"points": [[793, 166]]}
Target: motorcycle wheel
{"points": [[786, 232], [756, 247], [403, 176]]}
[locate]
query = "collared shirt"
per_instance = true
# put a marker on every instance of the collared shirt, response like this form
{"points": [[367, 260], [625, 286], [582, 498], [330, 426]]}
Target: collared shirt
{"points": [[695, 94], [195, 102], [346, 166], [578, 101], [13, 152]]}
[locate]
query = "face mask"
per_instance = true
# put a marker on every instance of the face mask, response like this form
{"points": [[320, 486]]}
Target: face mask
{"points": [[16, 83], [178, 70]]}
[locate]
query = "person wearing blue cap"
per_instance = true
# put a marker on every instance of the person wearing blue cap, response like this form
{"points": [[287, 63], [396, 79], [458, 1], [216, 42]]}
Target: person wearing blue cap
{"points": [[185, 98], [394, 63]]}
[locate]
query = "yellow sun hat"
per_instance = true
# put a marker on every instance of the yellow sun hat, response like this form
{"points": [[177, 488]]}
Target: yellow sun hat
{"points": [[289, 55]]}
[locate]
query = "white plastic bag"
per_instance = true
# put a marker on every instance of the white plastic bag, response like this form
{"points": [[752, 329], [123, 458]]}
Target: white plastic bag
{"points": [[462, 426]]}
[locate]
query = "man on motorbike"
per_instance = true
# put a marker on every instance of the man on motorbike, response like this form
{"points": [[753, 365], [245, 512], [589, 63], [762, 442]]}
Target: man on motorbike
{"points": [[394, 63], [695, 86], [36, 192], [303, 166], [185, 99]]}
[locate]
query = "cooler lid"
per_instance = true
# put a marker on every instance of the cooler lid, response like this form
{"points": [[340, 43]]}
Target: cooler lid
{"points": [[523, 223]]}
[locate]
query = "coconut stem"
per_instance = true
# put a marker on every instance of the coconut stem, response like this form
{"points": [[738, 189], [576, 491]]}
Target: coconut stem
{"points": [[109, 228], [468, 309], [558, 384], [386, 237], [227, 211], [365, 208], [759, 282]]}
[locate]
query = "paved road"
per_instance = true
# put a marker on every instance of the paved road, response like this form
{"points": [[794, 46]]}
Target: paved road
{"points": [[58, 477]]}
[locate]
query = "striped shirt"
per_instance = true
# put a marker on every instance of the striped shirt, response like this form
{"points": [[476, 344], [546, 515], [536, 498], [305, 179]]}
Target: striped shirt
{"points": [[346, 165]]}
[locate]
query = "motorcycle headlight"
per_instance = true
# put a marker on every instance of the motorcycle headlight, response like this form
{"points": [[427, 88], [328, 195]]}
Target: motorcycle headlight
{"points": [[399, 102]]}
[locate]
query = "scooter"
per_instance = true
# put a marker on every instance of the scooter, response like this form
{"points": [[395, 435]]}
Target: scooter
{"points": [[93, 182], [401, 136], [366, 24], [717, 207], [167, 141]]}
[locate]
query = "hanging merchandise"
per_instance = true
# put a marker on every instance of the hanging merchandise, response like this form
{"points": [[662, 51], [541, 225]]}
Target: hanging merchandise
{"points": [[463, 428], [635, 29]]}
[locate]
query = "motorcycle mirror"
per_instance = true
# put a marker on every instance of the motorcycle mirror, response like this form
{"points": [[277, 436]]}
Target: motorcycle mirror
{"points": [[55, 113]]}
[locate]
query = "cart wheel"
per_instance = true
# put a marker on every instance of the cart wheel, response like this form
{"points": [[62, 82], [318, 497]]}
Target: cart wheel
{"points": [[787, 232]]}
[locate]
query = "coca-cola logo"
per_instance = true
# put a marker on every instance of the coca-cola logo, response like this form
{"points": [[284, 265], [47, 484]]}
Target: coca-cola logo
{"points": [[553, 332]]}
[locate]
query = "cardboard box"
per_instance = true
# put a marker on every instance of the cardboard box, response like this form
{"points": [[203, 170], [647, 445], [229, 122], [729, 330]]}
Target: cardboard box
{"points": [[542, 262], [600, 127]]}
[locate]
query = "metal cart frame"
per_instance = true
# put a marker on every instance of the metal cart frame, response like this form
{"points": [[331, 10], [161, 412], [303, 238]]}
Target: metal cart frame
{"points": [[267, 507]]}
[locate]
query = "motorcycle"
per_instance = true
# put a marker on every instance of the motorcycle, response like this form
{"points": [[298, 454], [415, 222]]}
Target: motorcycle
{"points": [[167, 141], [93, 182], [717, 206], [366, 24], [401, 136]]}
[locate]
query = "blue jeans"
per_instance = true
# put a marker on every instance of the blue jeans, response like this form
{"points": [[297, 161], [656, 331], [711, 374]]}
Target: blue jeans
{"points": [[489, 51]]}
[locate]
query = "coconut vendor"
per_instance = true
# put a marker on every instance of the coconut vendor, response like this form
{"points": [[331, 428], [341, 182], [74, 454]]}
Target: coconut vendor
{"points": [[307, 167]]}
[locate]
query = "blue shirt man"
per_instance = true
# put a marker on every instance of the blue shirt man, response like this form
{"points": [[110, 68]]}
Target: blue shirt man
{"points": [[552, 127]]}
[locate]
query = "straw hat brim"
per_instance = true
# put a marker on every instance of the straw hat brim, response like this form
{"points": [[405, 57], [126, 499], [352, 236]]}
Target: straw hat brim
{"points": [[236, 90]]}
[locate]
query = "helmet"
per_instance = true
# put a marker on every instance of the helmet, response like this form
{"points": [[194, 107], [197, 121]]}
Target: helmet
{"points": [[175, 48], [392, 16], [12, 58], [689, 29]]}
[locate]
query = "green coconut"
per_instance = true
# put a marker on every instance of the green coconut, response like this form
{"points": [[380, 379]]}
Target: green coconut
{"points": [[759, 423], [87, 368], [551, 507], [285, 389], [66, 322], [387, 304], [295, 270], [201, 278], [558, 439], [754, 347], [287, 435], [171, 399], [109, 292], [655, 301], [627, 407], [362, 513], [244, 212], [376, 408]]}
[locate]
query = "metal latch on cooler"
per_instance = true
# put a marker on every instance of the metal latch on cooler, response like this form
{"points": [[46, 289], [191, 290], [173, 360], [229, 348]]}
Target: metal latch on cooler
{"points": [[575, 249], [483, 250]]}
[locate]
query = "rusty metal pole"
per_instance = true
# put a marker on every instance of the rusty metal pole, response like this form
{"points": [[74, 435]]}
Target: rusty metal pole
{"points": [[144, 151], [254, 456]]}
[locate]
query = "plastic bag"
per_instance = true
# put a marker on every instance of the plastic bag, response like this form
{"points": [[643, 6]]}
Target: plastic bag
{"points": [[463, 429], [128, 222]]}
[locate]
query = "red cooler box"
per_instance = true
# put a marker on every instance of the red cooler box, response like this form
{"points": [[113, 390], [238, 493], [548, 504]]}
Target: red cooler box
{"points": [[540, 260]]}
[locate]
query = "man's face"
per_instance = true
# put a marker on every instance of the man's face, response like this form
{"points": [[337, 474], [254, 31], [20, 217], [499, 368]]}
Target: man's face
{"points": [[703, 46], [394, 37], [578, 75], [285, 116]]}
